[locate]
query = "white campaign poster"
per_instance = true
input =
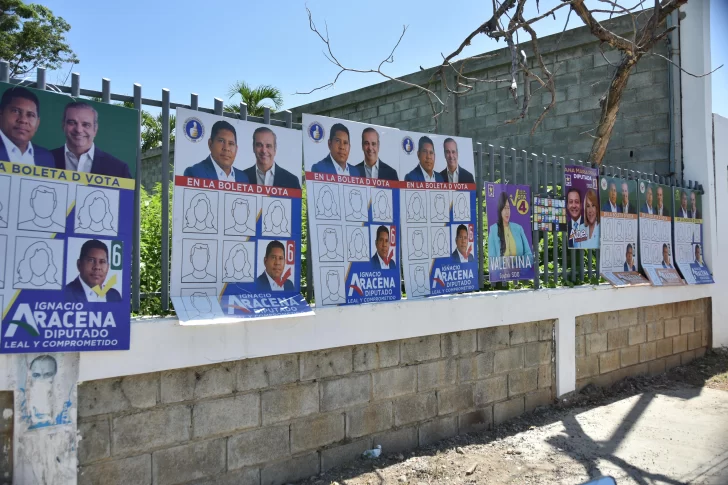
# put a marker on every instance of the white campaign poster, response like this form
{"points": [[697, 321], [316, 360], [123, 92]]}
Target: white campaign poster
{"points": [[656, 250], [236, 250], [439, 247], [352, 191], [688, 227], [618, 232]]}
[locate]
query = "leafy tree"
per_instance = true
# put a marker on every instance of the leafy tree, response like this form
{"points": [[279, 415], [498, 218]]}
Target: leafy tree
{"points": [[152, 130], [256, 98], [31, 37]]}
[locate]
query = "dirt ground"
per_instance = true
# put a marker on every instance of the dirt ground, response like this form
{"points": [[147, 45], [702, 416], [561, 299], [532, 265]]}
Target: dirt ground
{"points": [[664, 429]]}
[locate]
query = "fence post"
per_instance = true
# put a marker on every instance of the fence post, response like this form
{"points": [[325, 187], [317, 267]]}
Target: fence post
{"points": [[165, 200], [4, 72], [536, 238], [194, 101], [75, 85], [266, 116], [479, 213], [544, 162], [137, 240], [40, 82], [106, 90], [218, 106]]}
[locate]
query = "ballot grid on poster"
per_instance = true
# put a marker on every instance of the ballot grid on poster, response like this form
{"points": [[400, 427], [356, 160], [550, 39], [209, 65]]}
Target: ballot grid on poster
{"points": [[510, 248], [65, 240], [438, 243], [46, 217], [655, 225], [353, 218], [688, 233], [236, 251], [618, 236]]}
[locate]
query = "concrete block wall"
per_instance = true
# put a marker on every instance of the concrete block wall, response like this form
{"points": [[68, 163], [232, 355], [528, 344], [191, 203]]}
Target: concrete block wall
{"points": [[613, 345], [640, 139], [278, 419]]}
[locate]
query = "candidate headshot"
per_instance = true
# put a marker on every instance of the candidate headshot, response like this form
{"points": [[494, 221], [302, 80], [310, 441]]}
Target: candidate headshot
{"points": [[647, 207], [19, 121], [93, 266], [266, 171], [461, 254], [425, 171], [698, 255], [337, 161], [573, 207], [80, 154], [611, 204], [666, 256], [223, 145], [372, 167], [454, 173], [694, 212], [383, 259], [625, 205], [275, 262], [683, 211], [629, 259], [661, 210]]}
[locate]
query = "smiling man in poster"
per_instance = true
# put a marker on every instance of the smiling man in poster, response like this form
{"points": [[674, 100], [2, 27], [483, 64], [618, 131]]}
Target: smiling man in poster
{"points": [[372, 167], [425, 171], [223, 145], [80, 125], [384, 258], [462, 243]]}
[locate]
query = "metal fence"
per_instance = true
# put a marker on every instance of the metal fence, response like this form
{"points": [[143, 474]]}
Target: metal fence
{"points": [[545, 174]]}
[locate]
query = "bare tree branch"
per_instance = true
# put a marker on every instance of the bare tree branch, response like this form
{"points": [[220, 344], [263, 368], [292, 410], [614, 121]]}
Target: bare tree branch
{"points": [[683, 70]]}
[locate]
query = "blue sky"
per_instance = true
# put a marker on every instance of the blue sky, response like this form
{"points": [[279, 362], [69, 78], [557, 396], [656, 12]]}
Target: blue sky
{"points": [[203, 47]]}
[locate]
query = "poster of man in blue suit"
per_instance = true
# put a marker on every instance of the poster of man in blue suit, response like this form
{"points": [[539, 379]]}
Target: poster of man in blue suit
{"points": [[223, 145], [19, 122], [337, 161]]}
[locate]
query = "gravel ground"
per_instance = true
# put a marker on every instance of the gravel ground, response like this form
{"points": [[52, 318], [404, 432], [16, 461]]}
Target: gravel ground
{"points": [[588, 434]]}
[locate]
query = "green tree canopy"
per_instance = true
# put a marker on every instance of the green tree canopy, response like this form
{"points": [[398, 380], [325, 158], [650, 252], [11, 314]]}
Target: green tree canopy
{"points": [[256, 98], [31, 37]]}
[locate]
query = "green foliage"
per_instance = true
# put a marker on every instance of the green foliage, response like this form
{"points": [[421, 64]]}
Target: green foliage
{"points": [[255, 98], [151, 126], [31, 37], [150, 267], [152, 130]]}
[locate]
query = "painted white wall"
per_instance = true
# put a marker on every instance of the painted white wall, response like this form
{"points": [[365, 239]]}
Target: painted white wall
{"points": [[697, 122], [720, 267], [161, 344]]}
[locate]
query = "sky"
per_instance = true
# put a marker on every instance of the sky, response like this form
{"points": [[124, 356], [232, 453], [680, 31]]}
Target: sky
{"points": [[192, 47]]}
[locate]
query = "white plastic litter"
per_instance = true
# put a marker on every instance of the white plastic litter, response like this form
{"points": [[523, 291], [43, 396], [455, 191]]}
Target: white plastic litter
{"points": [[373, 453]]}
